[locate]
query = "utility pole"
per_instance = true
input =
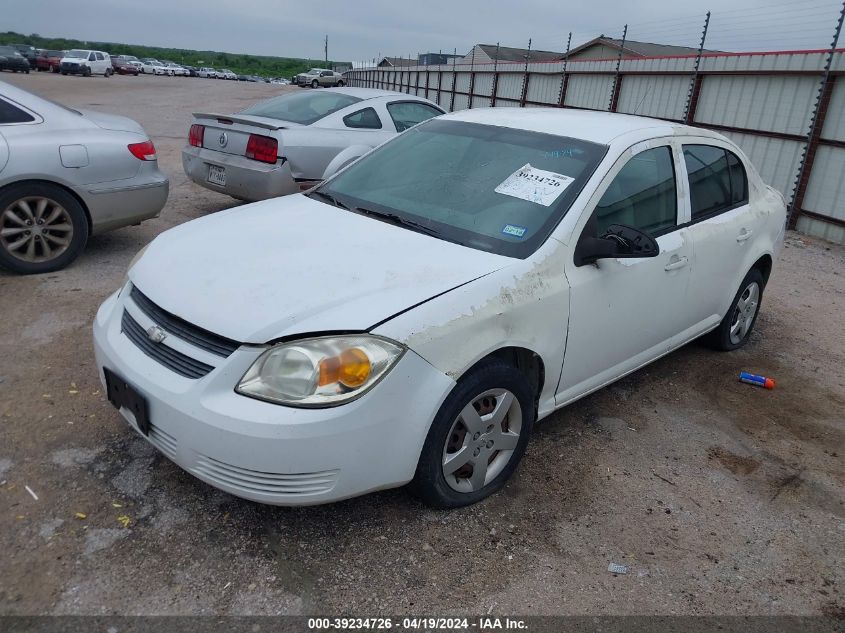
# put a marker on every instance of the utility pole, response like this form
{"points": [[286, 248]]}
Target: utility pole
{"points": [[326, 50]]}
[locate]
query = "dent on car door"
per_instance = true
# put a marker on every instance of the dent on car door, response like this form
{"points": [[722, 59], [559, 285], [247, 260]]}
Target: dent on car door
{"points": [[626, 312], [721, 226]]}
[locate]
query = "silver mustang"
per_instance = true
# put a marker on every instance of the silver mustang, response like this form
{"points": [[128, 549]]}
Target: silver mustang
{"points": [[65, 174], [289, 143]]}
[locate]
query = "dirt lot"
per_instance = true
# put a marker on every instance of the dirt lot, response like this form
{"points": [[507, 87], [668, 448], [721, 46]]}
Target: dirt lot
{"points": [[722, 498]]}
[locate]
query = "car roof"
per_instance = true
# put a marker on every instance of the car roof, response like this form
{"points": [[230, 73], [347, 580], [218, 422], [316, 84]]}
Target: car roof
{"points": [[588, 125], [371, 93]]}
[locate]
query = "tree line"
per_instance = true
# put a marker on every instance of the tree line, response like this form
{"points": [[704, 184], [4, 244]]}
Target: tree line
{"points": [[242, 64]]}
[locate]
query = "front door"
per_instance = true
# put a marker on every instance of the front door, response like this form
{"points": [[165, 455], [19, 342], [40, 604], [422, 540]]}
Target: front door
{"points": [[623, 312]]}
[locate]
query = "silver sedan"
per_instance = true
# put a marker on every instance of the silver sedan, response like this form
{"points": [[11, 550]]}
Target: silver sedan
{"points": [[65, 174], [289, 143]]}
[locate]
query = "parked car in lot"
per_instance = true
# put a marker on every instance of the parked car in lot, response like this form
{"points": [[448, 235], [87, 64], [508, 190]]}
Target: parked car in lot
{"points": [[225, 73], [65, 174], [153, 68], [86, 63], [123, 67], [290, 142], [139, 66], [29, 52], [412, 317], [207, 73], [11, 59], [176, 70], [319, 78], [49, 60]]}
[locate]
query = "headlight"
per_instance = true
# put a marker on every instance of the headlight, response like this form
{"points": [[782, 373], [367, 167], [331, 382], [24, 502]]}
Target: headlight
{"points": [[320, 372]]}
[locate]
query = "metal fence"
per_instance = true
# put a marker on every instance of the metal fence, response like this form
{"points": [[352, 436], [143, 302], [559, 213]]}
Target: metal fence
{"points": [[785, 109]]}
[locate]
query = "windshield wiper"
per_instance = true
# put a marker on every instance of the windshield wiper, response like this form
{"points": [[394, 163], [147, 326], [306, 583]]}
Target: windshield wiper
{"points": [[328, 197], [398, 220]]}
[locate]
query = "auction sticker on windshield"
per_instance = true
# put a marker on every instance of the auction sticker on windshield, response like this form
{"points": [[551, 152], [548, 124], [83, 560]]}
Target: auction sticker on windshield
{"points": [[535, 185]]}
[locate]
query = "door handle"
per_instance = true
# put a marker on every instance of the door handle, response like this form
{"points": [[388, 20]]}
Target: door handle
{"points": [[744, 235], [674, 265]]}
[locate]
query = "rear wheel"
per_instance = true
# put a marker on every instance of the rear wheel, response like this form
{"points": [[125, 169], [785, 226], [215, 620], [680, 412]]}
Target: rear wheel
{"points": [[42, 228], [340, 84], [477, 438], [735, 329]]}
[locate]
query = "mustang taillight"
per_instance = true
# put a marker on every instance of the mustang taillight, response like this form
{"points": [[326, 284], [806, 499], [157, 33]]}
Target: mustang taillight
{"points": [[143, 151], [195, 135], [263, 148]]}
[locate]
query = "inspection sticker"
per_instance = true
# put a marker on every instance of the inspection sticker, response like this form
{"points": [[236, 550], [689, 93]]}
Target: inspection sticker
{"points": [[512, 229], [535, 185]]}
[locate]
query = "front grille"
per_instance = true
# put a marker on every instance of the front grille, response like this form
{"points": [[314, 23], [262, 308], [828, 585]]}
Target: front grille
{"points": [[167, 356], [248, 480], [198, 337]]}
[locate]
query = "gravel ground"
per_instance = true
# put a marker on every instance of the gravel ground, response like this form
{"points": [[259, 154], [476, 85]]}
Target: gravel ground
{"points": [[720, 497]]}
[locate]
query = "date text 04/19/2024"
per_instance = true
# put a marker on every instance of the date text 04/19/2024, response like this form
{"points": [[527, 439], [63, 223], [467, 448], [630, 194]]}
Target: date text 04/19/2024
{"points": [[482, 624]]}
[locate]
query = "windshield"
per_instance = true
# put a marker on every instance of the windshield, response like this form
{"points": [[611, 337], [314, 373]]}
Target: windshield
{"points": [[8, 50], [492, 188], [301, 107], [77, 53]]}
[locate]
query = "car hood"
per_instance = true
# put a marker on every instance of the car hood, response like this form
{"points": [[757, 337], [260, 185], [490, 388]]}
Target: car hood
{"points": [[293, 265], [75, 60], [113, 122]]}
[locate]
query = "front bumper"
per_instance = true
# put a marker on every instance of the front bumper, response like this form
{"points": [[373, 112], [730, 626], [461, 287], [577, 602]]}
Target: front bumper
{"points": [[265, 452], [246, 179], [125, 202]]}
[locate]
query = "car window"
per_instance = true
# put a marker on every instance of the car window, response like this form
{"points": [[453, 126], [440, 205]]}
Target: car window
{"points": [[100, 56], [408, 113], [717, 180], [642, 195], [487, 187], [304, 108], [12, 114], [366, 118]]}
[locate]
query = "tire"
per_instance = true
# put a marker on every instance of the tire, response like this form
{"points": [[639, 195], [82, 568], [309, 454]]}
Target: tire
{"points": [[86, 72], [315, 84], [735, 329], [108, 73], [64, 72], [61, 211], [340, 84], [55, 69], [506, 394]]}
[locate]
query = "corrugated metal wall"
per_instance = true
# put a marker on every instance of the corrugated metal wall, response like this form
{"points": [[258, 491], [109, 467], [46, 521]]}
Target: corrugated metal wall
{"points": [[763, 101]]}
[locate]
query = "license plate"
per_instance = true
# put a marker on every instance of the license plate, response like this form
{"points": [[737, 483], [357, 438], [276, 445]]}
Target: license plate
{"points": [[121, 394], [217, 175]]}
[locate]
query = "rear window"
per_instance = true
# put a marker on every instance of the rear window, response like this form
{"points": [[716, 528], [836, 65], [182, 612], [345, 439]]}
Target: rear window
{"points": [[304, 108]]}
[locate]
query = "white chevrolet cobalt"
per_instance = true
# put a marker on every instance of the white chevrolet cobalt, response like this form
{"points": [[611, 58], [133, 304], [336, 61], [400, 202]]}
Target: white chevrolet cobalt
{"points": [[410, 319]]}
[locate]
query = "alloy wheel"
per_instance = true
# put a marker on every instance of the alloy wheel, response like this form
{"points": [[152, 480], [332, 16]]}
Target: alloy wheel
{"points": [[35, 229], [482, 440], [744, 312]]}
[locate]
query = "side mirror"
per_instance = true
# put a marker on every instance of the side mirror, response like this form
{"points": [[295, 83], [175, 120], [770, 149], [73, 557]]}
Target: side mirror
{"points": [[619, 241]]}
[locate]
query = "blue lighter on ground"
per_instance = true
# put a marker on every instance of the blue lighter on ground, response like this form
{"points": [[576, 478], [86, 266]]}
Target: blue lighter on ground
{"points": [[754, 379]]}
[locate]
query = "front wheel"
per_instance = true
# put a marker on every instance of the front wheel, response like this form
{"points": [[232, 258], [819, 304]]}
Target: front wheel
{"points": [[315, 84], [477, 438], [42, 228], [735, 329]]}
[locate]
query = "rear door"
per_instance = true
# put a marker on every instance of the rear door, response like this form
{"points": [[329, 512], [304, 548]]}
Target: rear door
{"points": [[721, 225]]}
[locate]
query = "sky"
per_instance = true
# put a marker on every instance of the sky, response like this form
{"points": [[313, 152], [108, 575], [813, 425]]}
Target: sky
{"points": [[365, 29]]}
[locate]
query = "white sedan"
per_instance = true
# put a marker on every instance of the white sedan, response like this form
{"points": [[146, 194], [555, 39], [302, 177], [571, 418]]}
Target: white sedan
{"points": [[412, 317]]}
